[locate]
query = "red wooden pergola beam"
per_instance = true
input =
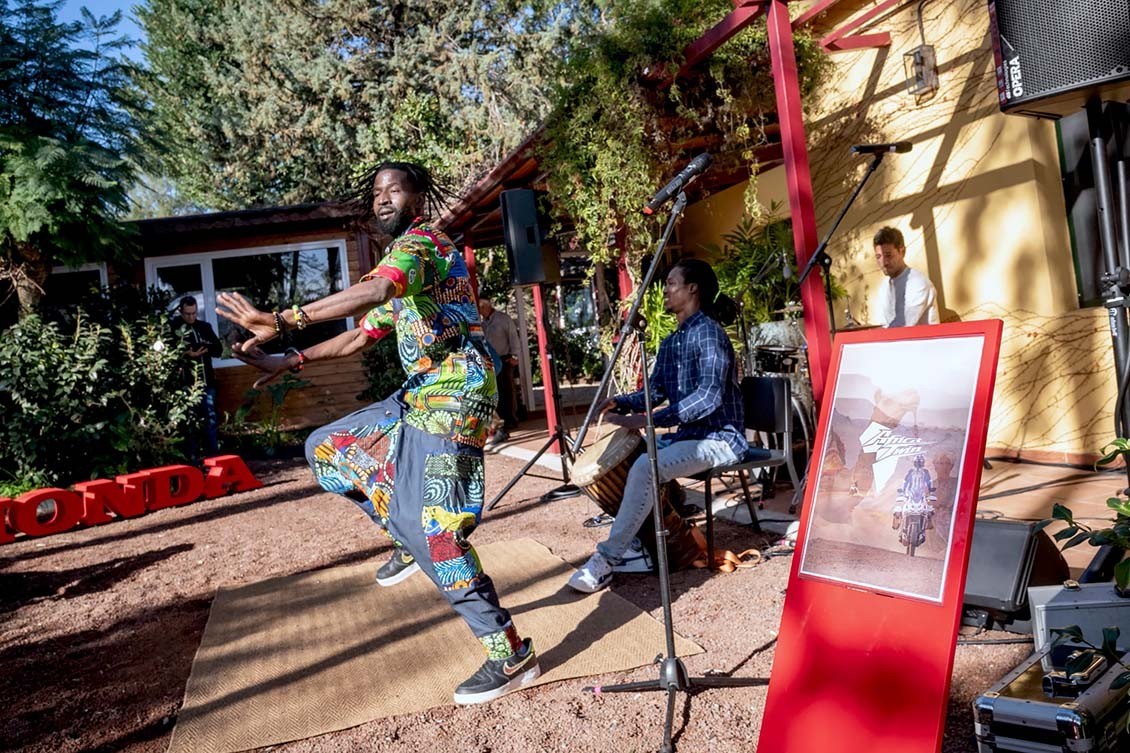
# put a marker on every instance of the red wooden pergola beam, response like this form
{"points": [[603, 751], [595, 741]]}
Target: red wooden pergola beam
{"points": [[859, 42], [813, 12], [743, 15], [859, 21]]}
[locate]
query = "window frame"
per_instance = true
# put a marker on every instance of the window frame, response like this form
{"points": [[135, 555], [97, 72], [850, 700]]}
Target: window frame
{"points": [[207, 306], [100, 267]]}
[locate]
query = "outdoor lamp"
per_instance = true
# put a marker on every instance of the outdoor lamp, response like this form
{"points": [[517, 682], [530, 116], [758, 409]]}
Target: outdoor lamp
{"points": [[921, 71]]}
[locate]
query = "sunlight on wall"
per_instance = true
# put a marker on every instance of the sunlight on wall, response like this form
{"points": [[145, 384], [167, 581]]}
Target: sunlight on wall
{"points": [[980, 203], [706, 221]]}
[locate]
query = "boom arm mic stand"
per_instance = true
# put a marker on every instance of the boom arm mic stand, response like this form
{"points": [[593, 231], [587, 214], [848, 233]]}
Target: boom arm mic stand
{"points": [[820, 256], [672, 674]]}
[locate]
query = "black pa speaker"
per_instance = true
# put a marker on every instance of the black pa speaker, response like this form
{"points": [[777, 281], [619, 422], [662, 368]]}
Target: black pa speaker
{"points": [[1006, 557], [1053, 55], [532, 257]]}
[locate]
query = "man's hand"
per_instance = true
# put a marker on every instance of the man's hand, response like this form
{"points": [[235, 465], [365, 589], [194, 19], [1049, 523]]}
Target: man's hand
{"points": [[261, 324], [607, 405], [196, 353], [271, 365]]}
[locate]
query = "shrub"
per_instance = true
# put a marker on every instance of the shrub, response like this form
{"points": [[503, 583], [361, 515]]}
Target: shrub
{"points": [[95, 401]]}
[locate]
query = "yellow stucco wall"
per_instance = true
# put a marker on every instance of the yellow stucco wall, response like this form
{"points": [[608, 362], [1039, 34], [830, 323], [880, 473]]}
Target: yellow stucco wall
{"points": [[980, 203]]}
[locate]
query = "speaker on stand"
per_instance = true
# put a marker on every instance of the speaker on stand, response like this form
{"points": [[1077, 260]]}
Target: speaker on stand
{"points": [[1052, 57], [529, 250], [534, 261]]}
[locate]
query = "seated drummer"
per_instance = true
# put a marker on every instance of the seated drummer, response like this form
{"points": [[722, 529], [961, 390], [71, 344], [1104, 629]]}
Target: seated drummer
{"points": [[696, 375]]}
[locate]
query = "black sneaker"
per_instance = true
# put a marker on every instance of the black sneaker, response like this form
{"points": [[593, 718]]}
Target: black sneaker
{"points": [[497, 677], [399, 566]]}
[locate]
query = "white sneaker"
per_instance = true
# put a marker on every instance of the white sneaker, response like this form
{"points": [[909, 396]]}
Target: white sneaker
{"points": [[593, 575], [636, 560]]}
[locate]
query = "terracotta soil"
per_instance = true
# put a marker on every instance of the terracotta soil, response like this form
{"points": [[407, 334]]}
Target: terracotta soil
{"points": [[100, 627]]}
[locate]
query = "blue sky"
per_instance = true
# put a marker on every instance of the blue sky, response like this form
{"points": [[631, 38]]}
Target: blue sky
{"points": [[128, 26]]}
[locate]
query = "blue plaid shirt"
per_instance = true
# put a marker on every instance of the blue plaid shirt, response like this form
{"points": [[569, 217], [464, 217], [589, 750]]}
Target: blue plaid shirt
{"points": [[696, 374]]}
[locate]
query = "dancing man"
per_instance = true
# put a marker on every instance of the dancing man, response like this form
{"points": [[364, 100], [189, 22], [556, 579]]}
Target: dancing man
{"points": [[412, 462], [696, 374]]}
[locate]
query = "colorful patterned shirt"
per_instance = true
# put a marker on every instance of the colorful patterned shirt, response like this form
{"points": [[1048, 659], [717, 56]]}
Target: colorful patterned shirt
{"points": [[696, 374], [450, 390]]}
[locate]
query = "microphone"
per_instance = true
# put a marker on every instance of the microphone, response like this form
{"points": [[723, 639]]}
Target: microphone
{"points": [[696, 167], [898, 146]]}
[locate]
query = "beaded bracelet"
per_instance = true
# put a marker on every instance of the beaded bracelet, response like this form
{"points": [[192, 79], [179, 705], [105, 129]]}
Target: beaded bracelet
{"points": [[301, 359], [278, 322], [301, 319]]}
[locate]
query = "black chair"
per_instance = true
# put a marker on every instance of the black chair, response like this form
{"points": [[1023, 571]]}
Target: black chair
{"points": [[767, 404]]}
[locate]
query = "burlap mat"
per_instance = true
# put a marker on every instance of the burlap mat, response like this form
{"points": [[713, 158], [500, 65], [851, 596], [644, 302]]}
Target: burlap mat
{"points": [[295, 657]]}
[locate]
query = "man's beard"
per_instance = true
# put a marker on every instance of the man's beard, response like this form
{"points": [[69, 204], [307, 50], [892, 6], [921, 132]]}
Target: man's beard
{"points": [[395, 224]]}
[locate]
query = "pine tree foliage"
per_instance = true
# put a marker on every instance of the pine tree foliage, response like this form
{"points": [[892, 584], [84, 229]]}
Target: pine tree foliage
{"points": [[285, 101], [70, 141]]}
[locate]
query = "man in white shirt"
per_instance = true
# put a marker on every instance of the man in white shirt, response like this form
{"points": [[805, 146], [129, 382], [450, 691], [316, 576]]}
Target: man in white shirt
{"points": [[906, 296]]}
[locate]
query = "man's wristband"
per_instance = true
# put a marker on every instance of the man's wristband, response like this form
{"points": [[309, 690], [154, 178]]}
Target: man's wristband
{"points": [[301, 359]]}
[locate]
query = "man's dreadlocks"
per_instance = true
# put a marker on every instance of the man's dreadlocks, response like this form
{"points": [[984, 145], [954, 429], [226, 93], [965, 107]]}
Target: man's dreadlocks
{"points": [[436, 195]]}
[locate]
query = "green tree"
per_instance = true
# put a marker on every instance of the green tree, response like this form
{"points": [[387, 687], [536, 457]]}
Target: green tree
{"points": [[69, 143], [622, 121], [282, 101]]}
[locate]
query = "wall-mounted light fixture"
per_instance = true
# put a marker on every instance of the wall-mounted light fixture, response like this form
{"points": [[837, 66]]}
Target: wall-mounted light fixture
{"points": [[921, 65], [921, 71]]}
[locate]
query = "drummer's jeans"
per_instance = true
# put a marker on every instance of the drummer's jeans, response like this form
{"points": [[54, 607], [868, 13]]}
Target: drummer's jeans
{"points": [[675, 460]]}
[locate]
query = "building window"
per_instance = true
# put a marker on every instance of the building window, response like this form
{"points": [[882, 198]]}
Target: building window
{"points": [[70, 284], [273, 277]]}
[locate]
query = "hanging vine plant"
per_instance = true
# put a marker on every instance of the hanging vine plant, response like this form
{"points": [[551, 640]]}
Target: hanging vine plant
{"points": [[623, 124]]}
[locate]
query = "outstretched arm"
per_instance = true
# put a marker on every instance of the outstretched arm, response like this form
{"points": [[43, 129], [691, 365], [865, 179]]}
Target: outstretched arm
{"points": [[261, 324], [344, 344]]}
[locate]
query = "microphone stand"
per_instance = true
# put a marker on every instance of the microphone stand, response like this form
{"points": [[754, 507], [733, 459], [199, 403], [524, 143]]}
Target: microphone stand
{"points": [[672, 674], [820, 255]]}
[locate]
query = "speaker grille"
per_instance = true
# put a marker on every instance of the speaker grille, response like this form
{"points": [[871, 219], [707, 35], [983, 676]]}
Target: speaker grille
{"points": [[1049, 46]]}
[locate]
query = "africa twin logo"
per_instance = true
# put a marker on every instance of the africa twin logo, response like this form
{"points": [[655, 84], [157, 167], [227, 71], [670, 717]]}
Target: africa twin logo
{"points": [[886, 444], [888, 448]]}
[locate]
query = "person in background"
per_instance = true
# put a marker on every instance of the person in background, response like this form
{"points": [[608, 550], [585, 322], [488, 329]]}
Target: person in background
{"points": [[906, 296], [502, 334], [202, 346]]}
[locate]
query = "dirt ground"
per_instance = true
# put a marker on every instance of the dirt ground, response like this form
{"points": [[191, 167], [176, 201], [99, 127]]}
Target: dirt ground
{"points": [[100, 627]]}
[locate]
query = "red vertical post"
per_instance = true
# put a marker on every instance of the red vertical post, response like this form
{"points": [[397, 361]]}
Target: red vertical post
{"points": [[472, 267], [782, 56], [546, 370]]}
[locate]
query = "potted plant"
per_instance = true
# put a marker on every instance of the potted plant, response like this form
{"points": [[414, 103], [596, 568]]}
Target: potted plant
{"points": [[1116, 535]]}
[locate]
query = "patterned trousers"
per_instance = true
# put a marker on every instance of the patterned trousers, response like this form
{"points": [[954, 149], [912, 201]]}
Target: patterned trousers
{"points": [[426, 492]]}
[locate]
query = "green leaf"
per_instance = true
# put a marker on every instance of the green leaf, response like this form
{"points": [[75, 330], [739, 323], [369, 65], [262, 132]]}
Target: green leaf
{"points": [[1122, 573], [1059, 512], [1076, 540], [1110, 641], [1119, 505], [1065, 533], [1121, 681], [1073, 632]]}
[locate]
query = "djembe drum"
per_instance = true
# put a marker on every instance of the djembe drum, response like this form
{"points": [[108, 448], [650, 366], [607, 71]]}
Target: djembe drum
{"points": [[602, 473]]}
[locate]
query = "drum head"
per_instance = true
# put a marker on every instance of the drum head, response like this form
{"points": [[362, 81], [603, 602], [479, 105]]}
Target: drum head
{"points": [[777, 360], [604, 454]]}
